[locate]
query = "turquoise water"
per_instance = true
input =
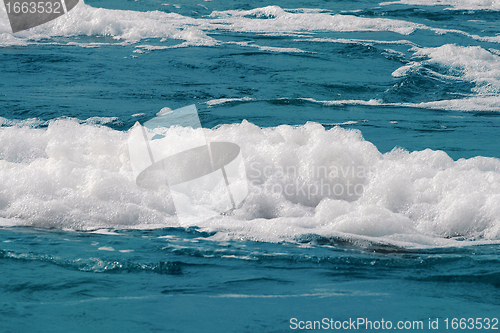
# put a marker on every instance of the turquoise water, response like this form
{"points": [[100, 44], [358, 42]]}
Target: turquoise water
{"points": [[408, 91], [181, 281]]}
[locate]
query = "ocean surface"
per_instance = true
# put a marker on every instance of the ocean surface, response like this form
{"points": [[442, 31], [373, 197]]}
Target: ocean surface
{"points": [[370, 133]]}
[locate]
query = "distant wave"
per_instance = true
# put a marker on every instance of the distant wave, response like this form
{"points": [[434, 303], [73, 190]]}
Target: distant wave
{"points": [[127, 27], [481, 104]]}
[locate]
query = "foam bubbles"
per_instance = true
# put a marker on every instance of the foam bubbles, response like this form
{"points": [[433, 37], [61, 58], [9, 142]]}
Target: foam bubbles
{"points": [[302, 180], [128, 27], [122, 25]]}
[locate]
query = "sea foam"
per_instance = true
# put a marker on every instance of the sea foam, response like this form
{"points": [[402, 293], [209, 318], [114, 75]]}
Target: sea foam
{"points": [[303, 180]]}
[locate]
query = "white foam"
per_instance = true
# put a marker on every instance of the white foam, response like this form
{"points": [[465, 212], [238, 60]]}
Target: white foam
{"points": [[303, 180], [122, 25], [127, 27], [451, 4], [483, 104], [245, 44], [471, 63]]}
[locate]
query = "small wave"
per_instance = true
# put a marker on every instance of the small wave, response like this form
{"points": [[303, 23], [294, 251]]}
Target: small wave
{"points": [[124, 27], [474, 66], [228, 100], [472, 69], [98, 265]]}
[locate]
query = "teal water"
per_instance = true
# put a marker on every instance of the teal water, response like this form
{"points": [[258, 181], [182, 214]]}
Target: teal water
{"points": [[411, 90], [177, 280]]}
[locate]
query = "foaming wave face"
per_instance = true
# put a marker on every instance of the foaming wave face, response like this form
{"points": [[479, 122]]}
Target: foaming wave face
{"points": [[73, 176], [472, 63], [302, 180]]}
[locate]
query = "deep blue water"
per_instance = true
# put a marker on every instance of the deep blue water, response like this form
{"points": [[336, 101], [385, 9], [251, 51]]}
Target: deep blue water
{"points": [[83, 249]]}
